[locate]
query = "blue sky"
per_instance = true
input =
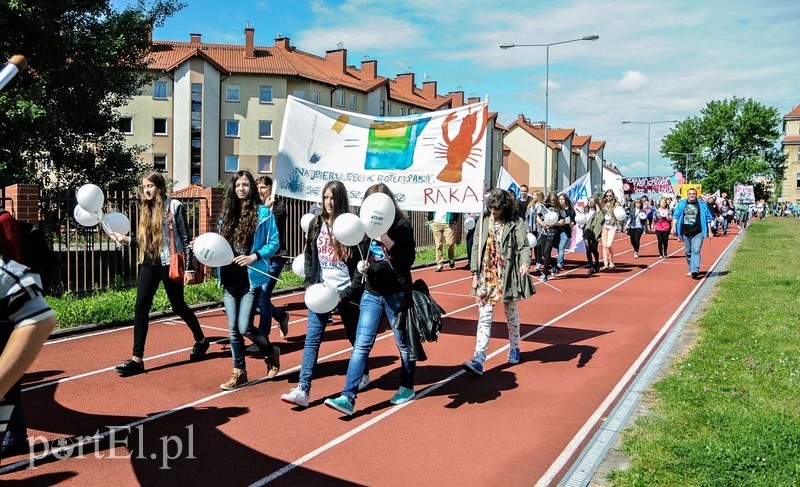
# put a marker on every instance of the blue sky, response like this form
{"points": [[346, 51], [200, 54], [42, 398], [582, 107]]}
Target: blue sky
{"points": [[655, 60]]}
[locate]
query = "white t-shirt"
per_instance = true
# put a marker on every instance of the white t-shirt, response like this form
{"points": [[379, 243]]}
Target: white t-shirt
{"points": [[333, 270], [21, 301]]}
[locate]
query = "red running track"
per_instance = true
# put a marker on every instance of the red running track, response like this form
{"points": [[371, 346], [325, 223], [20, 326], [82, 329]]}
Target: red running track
{"points": [[584, 338]]}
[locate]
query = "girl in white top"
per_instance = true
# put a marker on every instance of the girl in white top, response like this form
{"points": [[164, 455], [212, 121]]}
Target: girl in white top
{"points": [[610, 225]]}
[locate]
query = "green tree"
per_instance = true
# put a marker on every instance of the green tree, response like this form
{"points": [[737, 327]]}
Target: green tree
{"points": [[737, 141], [58, 119]]}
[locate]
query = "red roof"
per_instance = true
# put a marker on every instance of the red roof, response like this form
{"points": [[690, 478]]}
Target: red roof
{"points": [[560, 134], [596, 145], [536, 132], [791, 140], [580, 140], [794, 113]]}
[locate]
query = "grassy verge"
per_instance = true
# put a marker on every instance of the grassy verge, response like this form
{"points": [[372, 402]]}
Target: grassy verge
{"points": [[117, 305], [729, 412]]}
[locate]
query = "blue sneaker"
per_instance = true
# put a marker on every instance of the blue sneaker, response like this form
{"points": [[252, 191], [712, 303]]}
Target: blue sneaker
{"points": [[473, 366], [403, 395], [513, 356], [343, 404]]}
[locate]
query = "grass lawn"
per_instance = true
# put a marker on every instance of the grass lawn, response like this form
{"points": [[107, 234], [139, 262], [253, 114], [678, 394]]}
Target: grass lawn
{"points": [[728, 414]]}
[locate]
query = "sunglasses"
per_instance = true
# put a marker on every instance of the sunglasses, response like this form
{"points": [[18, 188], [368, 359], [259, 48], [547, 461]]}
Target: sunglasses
{"points": [[495, 207]]}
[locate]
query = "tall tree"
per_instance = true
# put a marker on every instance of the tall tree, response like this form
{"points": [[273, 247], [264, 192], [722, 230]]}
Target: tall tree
{"points": [[58, 119], [736, 141]]}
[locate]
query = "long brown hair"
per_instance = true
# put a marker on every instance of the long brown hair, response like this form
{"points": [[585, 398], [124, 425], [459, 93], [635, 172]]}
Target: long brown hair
{"points": [[240, 217], [150, 231]]}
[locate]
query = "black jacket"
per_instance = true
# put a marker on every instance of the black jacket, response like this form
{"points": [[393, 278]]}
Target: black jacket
{"points": [[383, 278]]}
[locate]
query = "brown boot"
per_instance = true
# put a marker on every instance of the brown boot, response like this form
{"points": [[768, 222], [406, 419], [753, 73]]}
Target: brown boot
{"points": [[273, 363], [238, 379]]}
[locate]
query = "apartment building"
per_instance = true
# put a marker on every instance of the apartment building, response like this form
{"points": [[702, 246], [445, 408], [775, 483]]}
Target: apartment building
{"points": [[217, 108], [790, 190]]}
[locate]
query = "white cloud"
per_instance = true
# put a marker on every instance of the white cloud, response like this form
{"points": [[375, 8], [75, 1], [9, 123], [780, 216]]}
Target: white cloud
{"points": [[632, 82]]}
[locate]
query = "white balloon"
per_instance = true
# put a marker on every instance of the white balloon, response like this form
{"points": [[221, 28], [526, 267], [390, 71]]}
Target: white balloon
{"points": [[116, 222], [619, 213], [663, 213], [348, 229], [377, 214], [305, 221], [85, 217], [532, 240], [212, 249], [551, 218], [90, 197], [730, 212], [580, 218], [362, 266], [469, 224], [321, 298], [642, 215], [299, 265]]}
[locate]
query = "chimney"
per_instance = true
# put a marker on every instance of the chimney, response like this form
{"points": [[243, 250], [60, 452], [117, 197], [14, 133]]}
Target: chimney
{"points": [[282, 42], [194, 39], [405, 82], [521, 119], [429, 90], [369, 69], [458, 99], [249, 50], [473, 99], [337, 57]]}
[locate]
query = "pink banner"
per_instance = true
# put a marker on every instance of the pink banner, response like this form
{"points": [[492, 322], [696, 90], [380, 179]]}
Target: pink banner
{"points": [[652, 184]]}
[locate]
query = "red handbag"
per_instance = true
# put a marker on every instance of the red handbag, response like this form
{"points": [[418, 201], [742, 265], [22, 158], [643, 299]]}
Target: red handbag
{"points": [[177, 264]]}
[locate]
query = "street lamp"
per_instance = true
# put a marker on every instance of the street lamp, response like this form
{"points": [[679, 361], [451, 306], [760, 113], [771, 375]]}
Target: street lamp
{"points": [[648, 137], [593, 37], [687, 155]]}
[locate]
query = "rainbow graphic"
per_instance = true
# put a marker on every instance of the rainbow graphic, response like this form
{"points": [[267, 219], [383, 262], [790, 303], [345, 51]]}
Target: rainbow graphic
{"points": [[391, 145]]}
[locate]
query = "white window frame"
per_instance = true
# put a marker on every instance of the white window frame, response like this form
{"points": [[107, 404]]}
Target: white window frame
{"points": [[155, 90], [353, 101], [383, 108], [165, 162], [166, 126], [262, 123], [230, 90], [339, 98], [315, 97], [229, 124], [402, 111], [231, 158], [269, 166], [130, 130], [261, 90]]}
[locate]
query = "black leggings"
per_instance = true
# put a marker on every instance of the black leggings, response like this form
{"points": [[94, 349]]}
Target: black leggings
{"points": [[636, 238], [592, 254], [547, 251], [146, 286], [663, 241]]}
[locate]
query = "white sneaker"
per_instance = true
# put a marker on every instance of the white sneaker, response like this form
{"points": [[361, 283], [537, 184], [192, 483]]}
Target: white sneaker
{"points": [[636, 255], [296, 396], [364, 382]]}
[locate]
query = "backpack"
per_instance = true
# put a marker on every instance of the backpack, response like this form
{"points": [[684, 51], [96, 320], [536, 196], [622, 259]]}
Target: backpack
{"points": [[37, 253]]}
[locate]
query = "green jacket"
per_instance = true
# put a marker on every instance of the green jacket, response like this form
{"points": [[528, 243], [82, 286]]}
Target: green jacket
{"points": [[516, 252], [594, 226]]}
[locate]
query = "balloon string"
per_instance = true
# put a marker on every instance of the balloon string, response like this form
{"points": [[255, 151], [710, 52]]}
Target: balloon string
{"points": [[268, 275], [108, 231]]}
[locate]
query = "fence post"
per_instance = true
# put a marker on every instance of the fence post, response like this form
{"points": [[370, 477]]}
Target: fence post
{"points": [[24, 202]]}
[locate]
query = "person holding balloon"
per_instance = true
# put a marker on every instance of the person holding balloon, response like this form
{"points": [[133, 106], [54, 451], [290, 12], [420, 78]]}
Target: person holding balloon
{"points": [[249, 227], [591, 231], [613, 216], [565, 232], [387, 278], [635, 225], [550, 218], [535, 207], [335, 244], [161, 219], [500, 273], [469, 226]]}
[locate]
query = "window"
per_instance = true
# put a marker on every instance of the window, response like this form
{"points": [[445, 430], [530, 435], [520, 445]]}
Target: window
{"points": [[299, 94], [159, 126], [125, 125], [315, 97], [265, 129], [231, 128], [388, 109], [232, 93], [160, 90], [798, 155], [264, 164], [383, 108], [353, 102], [265, 94], [402, 111], [197, 120], [798, 180], [339, 98], [231, 163], [160, 162], [197, 92]]}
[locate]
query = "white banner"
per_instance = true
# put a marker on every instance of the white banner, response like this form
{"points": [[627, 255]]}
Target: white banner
{"points": [[431, 161], [578, 193], [505, 181]]}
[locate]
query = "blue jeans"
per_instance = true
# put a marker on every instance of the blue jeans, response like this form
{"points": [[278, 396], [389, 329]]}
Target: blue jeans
{"points": [[266, 310], [562, 245], [314, 331], [692, 245], [239, 301], [372, 310], [725, 224]]}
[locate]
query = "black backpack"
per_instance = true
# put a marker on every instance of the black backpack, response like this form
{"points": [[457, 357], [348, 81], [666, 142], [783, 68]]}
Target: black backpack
{"points": [[37, 252]]}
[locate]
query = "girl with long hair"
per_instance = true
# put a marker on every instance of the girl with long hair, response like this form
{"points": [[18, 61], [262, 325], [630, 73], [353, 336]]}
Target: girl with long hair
{"points": [[591, 232], [535, 205], [635, 225], [329, 261], [610, 225], [548, 232], [500, 273], [662, 223], [565, 231], [388, 277], [249, 227], [158, 215]]}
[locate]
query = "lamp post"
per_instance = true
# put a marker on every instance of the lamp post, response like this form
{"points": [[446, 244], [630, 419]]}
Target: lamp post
{"points": [[686, 155], [593, 37], [648, 137]]}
